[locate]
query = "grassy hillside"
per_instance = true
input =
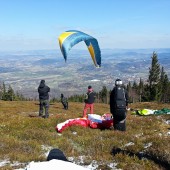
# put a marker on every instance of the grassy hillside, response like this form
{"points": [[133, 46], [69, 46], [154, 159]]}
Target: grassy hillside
{"points": [[145, 144]]}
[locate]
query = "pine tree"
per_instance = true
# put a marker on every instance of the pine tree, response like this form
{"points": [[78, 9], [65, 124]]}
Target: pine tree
{"points": [[10, 94], [154, 75], [129, 89], [140, 89], [163, 85], [1, 92], [4, 93], [103, 95]]}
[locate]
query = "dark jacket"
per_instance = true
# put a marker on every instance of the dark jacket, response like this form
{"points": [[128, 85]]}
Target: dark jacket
{"points": [[43, 91], [64, 100], [114, 97], [90, 97]]}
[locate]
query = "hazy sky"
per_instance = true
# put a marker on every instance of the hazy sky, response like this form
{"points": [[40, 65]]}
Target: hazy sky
{"points": [[36, 24]]}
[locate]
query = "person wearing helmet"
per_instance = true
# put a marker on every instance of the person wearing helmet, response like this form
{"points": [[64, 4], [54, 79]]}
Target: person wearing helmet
{"points": [[118, 105]]}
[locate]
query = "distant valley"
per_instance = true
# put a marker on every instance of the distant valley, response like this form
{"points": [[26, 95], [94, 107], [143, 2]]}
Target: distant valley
{"points": [[24, 70]]}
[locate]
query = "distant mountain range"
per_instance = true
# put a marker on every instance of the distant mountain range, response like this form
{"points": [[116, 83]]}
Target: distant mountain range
{"points": [[24, 70]]}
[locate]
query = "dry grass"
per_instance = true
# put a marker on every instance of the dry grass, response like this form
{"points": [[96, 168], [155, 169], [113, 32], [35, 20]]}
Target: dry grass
{"points": [[22, 137]]}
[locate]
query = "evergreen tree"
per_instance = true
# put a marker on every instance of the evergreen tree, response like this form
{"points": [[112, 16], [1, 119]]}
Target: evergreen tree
{"points": [[1, 92], [10, 94], [4, 93], [140, 89], [166, 88], [146, 93], [163, 85], [129, 89], [103, 95], [154, 75], [135, 86]]}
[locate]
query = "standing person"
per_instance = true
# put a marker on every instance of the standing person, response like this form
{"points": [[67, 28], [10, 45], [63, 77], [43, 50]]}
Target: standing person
{"points": [[89, 100], [43, 91], [64, 101], [118, 105]]}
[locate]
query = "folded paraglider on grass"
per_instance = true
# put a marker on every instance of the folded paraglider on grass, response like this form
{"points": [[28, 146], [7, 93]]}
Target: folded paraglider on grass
{"points": [[145, 112]]}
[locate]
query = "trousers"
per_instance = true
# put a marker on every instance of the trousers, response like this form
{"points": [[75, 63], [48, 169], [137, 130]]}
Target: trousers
{"points": [[44, 105], [88, 106]]}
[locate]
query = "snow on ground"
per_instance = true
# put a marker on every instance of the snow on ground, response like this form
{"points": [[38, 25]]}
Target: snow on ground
{"points": [[129, 144], [7, 162], [147, 145], [167, 122], [51, 165]]}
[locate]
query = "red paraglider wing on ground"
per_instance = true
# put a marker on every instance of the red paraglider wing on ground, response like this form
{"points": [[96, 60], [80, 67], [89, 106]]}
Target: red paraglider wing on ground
{"points": [[94, 121], [78, 121]]}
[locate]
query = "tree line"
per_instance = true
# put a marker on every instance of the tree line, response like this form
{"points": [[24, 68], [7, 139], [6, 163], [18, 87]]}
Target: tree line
{"points": [[7, 94], [156, 88]]}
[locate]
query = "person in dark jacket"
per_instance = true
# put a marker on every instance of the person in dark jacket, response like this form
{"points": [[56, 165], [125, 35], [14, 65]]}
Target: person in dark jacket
{"points": [[64, 101], [118, 105], [89, 101], [43, 91]]}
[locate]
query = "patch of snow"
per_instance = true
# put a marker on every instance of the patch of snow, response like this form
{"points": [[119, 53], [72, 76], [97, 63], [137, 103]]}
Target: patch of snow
{"points": [[4, 162], [46, 149], [167, 122], [160, 134], [61, 165], [93, 165], [129, 144], [74, 133], [59, 134], [147, 145], [53, 165], [168, 133], [139, 135], [113, 166], [7, 162]]}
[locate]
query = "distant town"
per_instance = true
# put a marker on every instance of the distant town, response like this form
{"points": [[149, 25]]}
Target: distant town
{"points": [[24, 70]]}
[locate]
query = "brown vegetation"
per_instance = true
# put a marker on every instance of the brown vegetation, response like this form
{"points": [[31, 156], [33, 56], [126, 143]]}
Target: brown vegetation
{"points": [[23, 135]]}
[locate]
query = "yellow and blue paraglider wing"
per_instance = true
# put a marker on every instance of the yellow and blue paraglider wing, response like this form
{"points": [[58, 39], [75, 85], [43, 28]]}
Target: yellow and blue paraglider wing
{"points": [[94, 50], [70, 38]]}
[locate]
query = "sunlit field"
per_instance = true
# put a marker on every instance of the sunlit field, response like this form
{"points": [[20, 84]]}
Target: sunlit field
{"points": [[26, 137]]}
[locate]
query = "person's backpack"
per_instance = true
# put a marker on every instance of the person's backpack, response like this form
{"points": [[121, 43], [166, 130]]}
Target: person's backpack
{"points": [[120, 98]]}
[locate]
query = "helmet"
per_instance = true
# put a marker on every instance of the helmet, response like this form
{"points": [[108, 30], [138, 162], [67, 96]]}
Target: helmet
{"points": [[118, 82]]}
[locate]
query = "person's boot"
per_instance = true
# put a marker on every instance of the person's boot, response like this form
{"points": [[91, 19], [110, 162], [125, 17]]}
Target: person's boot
{"points": [[46, 116], [40, 115]]}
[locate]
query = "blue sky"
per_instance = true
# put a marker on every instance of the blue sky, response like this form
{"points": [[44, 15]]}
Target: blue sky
{"points": [[36, 24]]}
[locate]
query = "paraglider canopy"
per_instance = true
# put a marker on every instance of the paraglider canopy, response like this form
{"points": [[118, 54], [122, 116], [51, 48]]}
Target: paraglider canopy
{"points": [[70, 38]]}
